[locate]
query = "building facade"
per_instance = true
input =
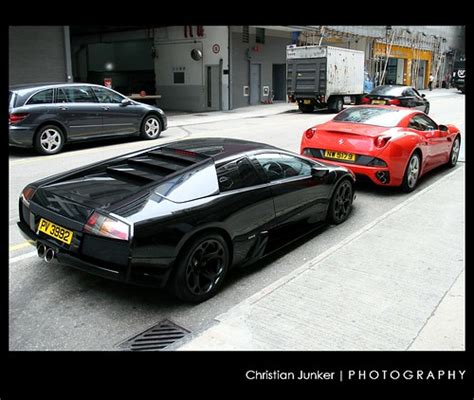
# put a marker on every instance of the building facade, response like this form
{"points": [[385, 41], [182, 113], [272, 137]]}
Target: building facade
{"points": [[208, 68]]}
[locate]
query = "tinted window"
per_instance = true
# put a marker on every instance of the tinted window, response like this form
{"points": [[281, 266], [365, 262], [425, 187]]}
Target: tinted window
{"points": [[45, 96], [410, 92], [236, 175], [106, 96], [422, 123], [370, 116], [60, 96], [79, 94], [388, 90], [282, 166]]}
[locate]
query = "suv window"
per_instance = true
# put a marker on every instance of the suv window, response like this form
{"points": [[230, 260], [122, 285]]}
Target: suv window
{"points": [[282, 166], [79, 94], [107, 96], [237, 175], [60, 96], [421, 122], [43, 97]]}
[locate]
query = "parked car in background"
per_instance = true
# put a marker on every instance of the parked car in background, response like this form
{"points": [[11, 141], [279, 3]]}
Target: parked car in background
{"points": [[47, 116], [392, 146], [397, 95], [184, 213]]}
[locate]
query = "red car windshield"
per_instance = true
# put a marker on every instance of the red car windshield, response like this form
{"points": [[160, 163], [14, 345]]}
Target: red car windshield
{"points": [[371, 116]]}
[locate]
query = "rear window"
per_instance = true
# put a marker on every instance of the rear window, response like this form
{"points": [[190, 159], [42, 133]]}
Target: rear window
{"points": [[43, 97], [388, 90], [371, 116]]}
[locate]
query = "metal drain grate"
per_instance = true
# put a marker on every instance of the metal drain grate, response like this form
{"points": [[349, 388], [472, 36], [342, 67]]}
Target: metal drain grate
{"points": [[156, 338]]}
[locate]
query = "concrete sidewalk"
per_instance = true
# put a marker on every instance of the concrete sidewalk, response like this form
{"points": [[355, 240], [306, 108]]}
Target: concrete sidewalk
{"points": [[396, 284], [260, 110]]}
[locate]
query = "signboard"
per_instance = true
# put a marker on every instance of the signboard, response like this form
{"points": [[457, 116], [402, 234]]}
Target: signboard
{"points": [[305, 52], [108, 82], [216, 48]]}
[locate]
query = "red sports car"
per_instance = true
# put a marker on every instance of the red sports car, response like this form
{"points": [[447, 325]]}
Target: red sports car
{"points": [[393, 146]]}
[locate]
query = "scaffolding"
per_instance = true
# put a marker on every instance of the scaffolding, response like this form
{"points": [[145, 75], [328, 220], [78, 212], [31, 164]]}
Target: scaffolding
{"points": [[376, 64]]}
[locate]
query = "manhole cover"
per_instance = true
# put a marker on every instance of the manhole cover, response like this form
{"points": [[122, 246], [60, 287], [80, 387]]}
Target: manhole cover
{"points": [[156, 338]]}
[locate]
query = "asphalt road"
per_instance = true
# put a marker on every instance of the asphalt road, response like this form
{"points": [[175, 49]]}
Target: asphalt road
{"points": [[54, 307]]}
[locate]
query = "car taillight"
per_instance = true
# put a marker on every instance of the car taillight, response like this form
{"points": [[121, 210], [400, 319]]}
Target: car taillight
{"points": [[394, 102], [28, 193], [100, 225], [17, 117], [381, 141], [310, 133], [365, 100]]}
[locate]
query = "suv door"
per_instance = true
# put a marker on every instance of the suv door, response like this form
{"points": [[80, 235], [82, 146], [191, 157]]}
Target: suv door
{"points": [[117, 118], [77, 108]]}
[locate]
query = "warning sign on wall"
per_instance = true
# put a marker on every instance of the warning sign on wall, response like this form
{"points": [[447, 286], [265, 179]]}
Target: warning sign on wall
{"points": [[216, 48]]}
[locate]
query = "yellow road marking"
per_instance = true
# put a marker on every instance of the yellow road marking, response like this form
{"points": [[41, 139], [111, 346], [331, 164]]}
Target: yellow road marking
{"points": [[21, 245]]}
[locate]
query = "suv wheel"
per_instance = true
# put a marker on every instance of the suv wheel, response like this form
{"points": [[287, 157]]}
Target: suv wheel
{"points": [[151, 127], [49, 140]]}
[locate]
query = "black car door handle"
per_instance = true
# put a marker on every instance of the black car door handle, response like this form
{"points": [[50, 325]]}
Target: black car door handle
{"points": [[106, 108], [63, 108]]}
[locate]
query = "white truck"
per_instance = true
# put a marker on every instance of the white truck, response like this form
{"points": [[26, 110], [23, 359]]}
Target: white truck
{"points": [[324, 76]]}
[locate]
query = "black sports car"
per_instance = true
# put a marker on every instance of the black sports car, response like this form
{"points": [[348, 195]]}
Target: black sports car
{"points": [[182, 214], [396, 95]]}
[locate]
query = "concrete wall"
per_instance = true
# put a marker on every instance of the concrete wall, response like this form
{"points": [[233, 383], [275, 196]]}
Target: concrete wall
{"points": [[173, 54], [36, 54], [273, 51]]}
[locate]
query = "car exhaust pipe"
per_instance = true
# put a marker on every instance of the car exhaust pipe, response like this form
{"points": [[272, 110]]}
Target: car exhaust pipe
{"points": [[49, 255], [41, 250]]}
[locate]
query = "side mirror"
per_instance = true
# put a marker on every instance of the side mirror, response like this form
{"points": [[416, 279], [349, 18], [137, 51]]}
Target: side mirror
{"points": [[423, 95], [319, 171], [126, 102], [443, 128]]}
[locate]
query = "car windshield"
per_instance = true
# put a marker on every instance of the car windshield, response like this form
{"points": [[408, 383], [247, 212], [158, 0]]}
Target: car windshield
{"points": [[388, 90], [370, 116]]}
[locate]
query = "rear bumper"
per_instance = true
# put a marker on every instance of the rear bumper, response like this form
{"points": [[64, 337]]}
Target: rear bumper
{"points": [[143, 272], [376, 174], [20, 136]]}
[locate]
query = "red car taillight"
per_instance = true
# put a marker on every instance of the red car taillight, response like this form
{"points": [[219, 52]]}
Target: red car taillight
{"points": [[28, 193], [100, 225], [365, 100], [394, 102], [310, 133], [381, 141], [17, 117]]}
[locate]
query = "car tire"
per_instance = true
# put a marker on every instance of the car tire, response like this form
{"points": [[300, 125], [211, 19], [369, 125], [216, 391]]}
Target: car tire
{"points": [[340, 205], [427, 109], [49, 140], [201, 268], [306, 108], [151, 127], [454, 153], [336, 104], [412, 173]]}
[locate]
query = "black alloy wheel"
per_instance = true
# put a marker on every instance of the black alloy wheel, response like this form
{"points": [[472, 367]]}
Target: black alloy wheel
{"points": [[341, 202], [201, 269], [337, 104]]}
